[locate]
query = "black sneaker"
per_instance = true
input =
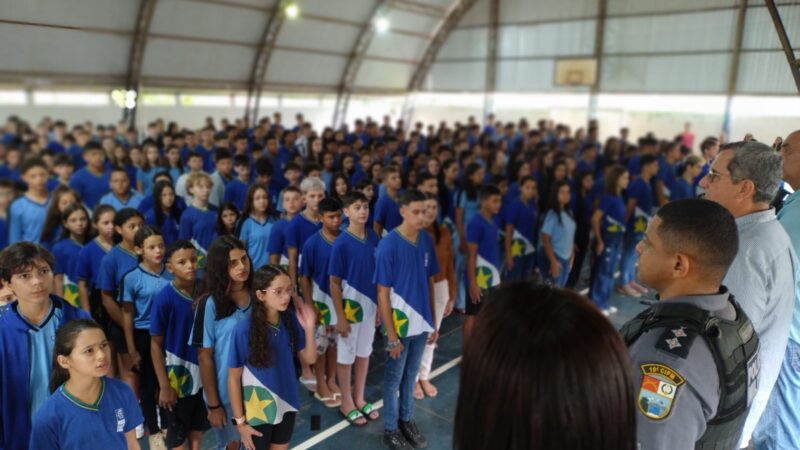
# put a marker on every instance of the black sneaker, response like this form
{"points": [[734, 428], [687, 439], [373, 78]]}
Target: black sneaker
{"points": [[412, 434], [395, 440]]}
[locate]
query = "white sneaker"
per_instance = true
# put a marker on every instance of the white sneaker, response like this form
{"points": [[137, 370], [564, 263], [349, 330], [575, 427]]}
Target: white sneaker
{"points": [[156, 441], [140, 431], [612, 310]]}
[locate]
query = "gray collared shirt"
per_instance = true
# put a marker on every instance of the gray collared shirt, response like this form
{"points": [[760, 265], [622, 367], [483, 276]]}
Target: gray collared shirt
{"points": [[762, 280]]}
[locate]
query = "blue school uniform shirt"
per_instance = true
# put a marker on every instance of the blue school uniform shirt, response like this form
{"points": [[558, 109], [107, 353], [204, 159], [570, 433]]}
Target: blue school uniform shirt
{"points": [[146, 178], [387, 213], [256, 234], [277, 242], [169, 226], [67, 423], [148, 203], [89, 186], [523, 217], [171, 316], [353, 261], [199, 226], [562, 234], [681, 190], [470, 207], [26, 220], [316, 256], [666, 174], [642, 192], [210, 332], [613, 208], [76, 152], [66, 263], [300, 228], [134, 199], [268, 392], [3, 233], [236, 192], [87, 266], [26, 358], [139, 286], [116, 263], [484, 233], [404, 267]]}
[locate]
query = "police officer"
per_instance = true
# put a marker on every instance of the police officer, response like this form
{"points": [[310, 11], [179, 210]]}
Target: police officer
{"points": [[694, 353]]}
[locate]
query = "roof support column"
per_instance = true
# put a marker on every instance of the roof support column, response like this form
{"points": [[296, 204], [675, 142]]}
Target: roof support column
{"points": [[136, 57], [794, 63], [491, 60], [599, 41], [733, 72], [261, 61]]}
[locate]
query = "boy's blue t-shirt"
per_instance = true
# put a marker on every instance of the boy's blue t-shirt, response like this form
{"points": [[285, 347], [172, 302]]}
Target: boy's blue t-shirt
{"points": [[26, 220], [208, 331], [387, 213], [523, 217], [353, 261], [236, 192], [199, 226], [562, 234], [613, 208], [277, 242], [484, 233], [681, 190], [146, 178], [64, 253], [87, 266], [404, 267], [316, 256], [116, 263], [89, 186], [300, 228], [169, 227], [666, 174], [139, 286], [268, 392], [134, 199], [256, 234], [66, 423], [642, 192], [171, 316]]}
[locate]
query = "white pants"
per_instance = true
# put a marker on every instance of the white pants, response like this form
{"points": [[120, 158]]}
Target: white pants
{"points": [[441, 295]]}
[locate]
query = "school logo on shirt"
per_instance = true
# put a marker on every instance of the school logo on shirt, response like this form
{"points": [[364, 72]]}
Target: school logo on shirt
{"points": [[400, 321], [353, 311], [259, 405], [657, 391], [324, 313], [180, 379], [120, 414]]}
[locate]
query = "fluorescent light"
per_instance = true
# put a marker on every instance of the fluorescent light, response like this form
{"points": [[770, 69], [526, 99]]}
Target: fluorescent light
{"points": [[382, 25], [292, 10]]}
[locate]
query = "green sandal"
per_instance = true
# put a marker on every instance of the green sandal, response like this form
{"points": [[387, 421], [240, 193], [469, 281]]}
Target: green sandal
{"points": [[354, 415], [368, 409]]}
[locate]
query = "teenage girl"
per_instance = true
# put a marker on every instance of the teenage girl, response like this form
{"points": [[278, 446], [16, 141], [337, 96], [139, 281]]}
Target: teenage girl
{"points": [[151, 165], [582, 206], [61, 197], [227, 217], [165, 213], [466, 205], [256, 223], [558, 235], [278, 250], [75, 223], [87, 267], [520, 230]]}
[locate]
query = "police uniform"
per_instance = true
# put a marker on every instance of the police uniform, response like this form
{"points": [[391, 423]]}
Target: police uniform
{"points": [[695, 362]]}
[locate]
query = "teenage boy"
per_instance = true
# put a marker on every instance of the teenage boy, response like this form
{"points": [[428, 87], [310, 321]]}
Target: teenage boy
{"points": [[316, 290], [483, 254], [236, 189], [292, 173], [303, 225], [194, 161], [638, 211], [387, 211], [121, 195], [175, 361], [63, 167], [223, 163], [27, 213], [92, 181], [277, 249], [405, 263], [27, 336], [354, 296], [198, 222]]}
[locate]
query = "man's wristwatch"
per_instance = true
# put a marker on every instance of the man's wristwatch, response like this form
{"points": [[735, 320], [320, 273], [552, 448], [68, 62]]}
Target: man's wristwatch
{"points": [[391, 345], [239, 420]]}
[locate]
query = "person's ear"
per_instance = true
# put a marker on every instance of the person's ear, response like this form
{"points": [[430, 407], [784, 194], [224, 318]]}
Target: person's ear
{"points": [[746, 189], [63, 361], [681, 265]]}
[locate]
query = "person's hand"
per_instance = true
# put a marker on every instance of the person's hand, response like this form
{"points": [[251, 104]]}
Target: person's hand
{"points": [[136, 359], [342, 327], [433, 337], [599, 247], [216, 417], [474, 293], [395, 352], [462, 247], [246, 433], [306, 315], [167, 398], [448, 308], [509, 262], [555, 268]]}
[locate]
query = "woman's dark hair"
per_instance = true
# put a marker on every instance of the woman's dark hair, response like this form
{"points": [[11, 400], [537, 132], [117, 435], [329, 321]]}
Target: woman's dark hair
{"points": [[539, 394], [122, 216], [248, 202], [260, 348], [64, 345], [158, 206], [217, 282], [552, 202], [142, 235], [332, 185], [53, 217], [227, 206], [615, 172], [437, 232], [71, 208], [99, 210], [469, 189]]}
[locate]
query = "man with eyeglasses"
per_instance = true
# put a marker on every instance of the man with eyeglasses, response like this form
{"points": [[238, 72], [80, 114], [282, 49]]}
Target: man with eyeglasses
{"points": [[779, 426], [744, 179]]}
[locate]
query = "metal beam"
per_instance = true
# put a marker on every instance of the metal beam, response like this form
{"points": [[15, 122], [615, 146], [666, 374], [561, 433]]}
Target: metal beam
{"points": [[442, 33], [491, 57], [794, 63], [138, 44], [355, 59], [733, 72], [420, 8], [599, 46], [261, 61]]}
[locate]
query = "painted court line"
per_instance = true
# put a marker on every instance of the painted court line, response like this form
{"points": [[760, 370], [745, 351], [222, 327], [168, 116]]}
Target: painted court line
{"points": [[378, 405]]}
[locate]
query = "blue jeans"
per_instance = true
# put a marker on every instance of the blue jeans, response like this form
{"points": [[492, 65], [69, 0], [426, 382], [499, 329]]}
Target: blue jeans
{"points": [[606, 264], [627, 266], [780, 422], [400, 375], [561, 279], [523, 267]]}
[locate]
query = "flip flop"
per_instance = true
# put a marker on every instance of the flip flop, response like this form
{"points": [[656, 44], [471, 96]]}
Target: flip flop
{"points": [[329, 402], [354, 415], [310, 384], [368, 409]]}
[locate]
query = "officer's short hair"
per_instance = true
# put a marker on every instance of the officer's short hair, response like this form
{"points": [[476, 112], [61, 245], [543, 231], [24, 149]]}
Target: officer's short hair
{"points": [[702, 229]]}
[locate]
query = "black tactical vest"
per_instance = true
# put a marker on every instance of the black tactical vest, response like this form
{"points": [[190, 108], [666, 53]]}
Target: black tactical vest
{"points": [[734, 345]]}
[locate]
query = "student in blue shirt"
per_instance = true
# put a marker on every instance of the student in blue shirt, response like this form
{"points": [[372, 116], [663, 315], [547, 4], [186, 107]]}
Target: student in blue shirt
{"points": [[582, 207], [63, 168], [27, 213], [276, 247], [405, 263], [85, 405], [608, 225], [387, 212], [92, 181], [351, 266], [227, 219], [236, 189], [197, 222], [27, 335], [87, 265], [76, 233], [121, 195], [261, 376], [10, 169], [225, 302], [303, 225], [60, 198], [6, 197], [638, 211], [152, 165], [466, 206], [165, 213], [256, 224], [520, 231], [684, 183], [148, 201], [174, 360], [558, 235], [315, 284], [137, 289]]}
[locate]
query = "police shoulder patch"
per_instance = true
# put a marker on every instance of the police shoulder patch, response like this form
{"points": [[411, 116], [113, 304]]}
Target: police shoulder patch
{"points": [[660, 384]]}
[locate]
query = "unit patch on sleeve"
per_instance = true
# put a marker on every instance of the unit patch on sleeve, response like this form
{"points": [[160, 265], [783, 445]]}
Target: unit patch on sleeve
{"points": [[657, 392]]}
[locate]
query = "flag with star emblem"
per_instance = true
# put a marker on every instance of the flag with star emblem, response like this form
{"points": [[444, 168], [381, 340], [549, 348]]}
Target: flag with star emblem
{"points": [[356, 305], [613, 225], [184, 376], [640, 219], [201, 254], [324, 304], [71, 292], [261, 405], [520, 245], [407, 321], [486, 273]]}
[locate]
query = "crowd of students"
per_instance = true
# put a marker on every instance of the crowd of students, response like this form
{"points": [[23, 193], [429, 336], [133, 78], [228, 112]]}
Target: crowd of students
{"points": [[199, 260]]}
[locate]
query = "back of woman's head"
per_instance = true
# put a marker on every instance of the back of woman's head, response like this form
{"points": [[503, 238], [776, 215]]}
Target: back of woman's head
{"points": [[543, 369]]}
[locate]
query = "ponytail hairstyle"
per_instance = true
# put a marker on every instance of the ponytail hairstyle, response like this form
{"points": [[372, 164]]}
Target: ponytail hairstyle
{"points": [[71, 208], [158, 207], [64, 345], [259, 347], [122, 216], [217, 282]]}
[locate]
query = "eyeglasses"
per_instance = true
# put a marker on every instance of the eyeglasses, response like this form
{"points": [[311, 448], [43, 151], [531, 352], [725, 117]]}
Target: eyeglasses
{"points": [[281, 291], [714, 176]]}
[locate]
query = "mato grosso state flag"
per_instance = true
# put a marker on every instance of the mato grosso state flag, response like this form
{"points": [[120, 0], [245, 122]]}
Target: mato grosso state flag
{"points": [[261, 405]]}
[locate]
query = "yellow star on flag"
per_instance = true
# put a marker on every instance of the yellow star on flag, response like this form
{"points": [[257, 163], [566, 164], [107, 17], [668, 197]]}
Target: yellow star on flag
{"points": [[640, 226], [350, 312], [517, 248], [484, 275], [255, 407], [398, 323], [175, 381]]}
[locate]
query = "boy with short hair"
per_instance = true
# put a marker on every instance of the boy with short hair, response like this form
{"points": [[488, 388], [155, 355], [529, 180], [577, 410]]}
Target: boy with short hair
{"points": [[236, 189], [175, 361], [121, 195], [27, 336], [638, 211], [316, 291], [387, 212], [292, 199], [483, 254], [354, 296], [223, 162], [405, 263], [92, 181], [198, 222], [63, 167], [27, 213], [194, 161], [292, 172], [303, 225], [11, 168]]}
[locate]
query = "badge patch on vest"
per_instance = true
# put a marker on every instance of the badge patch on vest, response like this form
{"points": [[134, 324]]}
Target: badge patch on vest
{"points": [[657, 392]]}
